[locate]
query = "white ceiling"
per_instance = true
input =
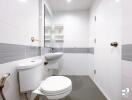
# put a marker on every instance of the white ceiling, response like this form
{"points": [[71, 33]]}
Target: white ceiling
{"points": [[63, 5]]}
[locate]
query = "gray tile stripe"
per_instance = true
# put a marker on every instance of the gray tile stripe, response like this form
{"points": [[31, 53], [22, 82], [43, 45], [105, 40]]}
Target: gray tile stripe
{"points": [[32, 51], [75, 50], [127, 52], [61, 41], [12, 52]]}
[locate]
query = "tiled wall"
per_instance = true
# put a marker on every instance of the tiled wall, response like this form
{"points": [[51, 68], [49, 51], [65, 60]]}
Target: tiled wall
{"points": [[19, 21], [77, 36], [75, 50], [127, 52], [12, 52], [127, 48], [126, 70]]}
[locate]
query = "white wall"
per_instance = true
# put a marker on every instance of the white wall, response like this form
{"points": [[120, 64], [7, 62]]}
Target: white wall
{"points": [[75, 27], [76, 35], [127, 22], [127, 39], [77, 64], [18, 22], [106, 29]]}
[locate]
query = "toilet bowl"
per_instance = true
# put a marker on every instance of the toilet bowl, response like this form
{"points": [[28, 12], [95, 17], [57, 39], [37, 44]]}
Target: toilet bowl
{"points": [[30, 78], [56, 87]]}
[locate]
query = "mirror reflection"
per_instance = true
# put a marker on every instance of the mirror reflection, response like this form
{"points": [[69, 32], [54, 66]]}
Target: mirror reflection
{"points": [[53, 35], [67, 24]]}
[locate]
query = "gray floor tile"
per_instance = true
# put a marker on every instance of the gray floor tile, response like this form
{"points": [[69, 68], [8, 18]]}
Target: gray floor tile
{"points": [[84, 89]]}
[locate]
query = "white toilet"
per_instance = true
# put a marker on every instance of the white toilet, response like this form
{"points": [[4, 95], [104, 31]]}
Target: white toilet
{"points": [[53, 87], [56, 87]]}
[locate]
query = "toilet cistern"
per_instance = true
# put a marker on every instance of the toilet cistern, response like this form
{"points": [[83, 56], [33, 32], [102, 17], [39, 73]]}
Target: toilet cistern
{"points": [[26, 70]]}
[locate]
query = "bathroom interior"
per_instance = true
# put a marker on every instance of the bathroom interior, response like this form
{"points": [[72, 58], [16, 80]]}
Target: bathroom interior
{"points": [[65, 50]]}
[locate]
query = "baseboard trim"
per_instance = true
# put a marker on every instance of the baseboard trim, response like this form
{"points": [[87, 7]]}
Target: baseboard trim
{"points": [[101, 89]]}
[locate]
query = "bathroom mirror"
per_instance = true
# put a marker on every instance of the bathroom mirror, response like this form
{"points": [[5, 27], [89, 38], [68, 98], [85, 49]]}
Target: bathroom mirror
{"points": [[47, 26], [53, 36]]}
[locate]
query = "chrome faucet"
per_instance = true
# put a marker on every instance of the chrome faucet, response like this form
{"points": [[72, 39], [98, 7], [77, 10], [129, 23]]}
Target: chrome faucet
{"points": [[51, 49]]}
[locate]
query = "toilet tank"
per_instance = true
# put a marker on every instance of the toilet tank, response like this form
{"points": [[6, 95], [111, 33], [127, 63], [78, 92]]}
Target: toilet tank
{"points": [[30, 75]]}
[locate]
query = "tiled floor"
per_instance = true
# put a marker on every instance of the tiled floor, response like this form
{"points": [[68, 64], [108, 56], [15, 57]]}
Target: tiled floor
{"points": [[84, 89]]}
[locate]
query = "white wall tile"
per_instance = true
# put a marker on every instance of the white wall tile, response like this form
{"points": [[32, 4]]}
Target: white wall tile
{"points": [[127, 22], [75, 24], [126, 39], [18, 22], [127, 78], [76, 35], [77, 64]]}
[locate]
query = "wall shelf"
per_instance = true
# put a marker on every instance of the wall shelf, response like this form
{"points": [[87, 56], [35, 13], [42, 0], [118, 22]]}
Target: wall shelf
{"points": [[56, 32]]}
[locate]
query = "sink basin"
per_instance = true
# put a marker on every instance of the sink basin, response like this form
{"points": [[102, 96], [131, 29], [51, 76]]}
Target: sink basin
{"points": [[53, 56]]}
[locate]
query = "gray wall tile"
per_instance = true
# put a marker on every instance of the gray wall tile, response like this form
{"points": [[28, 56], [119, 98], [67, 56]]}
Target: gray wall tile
{"points": [[75, 50], [91, 50], [42, 50], [127, 52], [12, 52], [33, 51]]}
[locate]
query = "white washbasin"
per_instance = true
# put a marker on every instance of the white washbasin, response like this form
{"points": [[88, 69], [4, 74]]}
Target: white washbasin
{"points": [[53, 56]]}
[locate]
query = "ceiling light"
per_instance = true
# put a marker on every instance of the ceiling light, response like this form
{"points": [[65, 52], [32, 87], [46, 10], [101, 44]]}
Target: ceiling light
{"points": [[117, 1], [69, 1]]}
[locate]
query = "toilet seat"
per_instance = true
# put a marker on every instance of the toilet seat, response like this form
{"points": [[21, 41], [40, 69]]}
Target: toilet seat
{"points": [[56, 84], [56, 93], [56, 87]]}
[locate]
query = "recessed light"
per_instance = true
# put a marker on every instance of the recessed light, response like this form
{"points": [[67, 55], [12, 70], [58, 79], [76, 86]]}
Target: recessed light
{"points": [[117, 1], [69, 1]]}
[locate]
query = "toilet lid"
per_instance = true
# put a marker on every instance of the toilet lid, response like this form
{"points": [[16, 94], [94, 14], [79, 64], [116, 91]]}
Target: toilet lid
{"points": [[55, 84]]}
